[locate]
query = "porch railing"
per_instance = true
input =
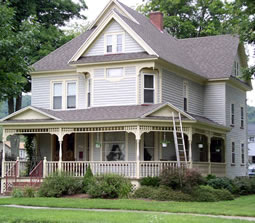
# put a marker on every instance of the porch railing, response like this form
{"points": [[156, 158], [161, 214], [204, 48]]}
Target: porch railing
{"points": [[154, 168]]}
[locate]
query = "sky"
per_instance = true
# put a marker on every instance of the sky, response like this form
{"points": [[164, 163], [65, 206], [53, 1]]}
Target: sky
{"points": [[96, 6]]}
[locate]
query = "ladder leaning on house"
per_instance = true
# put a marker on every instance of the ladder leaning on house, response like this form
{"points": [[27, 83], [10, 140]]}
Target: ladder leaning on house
{"points": [[179, 141]]}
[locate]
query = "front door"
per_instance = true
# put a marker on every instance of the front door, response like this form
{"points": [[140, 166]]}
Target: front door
{"points": [[67, 148]]}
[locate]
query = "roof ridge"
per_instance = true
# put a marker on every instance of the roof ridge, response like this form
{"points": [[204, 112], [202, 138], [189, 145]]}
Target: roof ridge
{"points": [[212, 36]]}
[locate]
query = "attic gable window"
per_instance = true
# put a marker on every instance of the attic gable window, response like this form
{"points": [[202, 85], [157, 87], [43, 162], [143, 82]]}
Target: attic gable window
{"points": [[114, 43]]}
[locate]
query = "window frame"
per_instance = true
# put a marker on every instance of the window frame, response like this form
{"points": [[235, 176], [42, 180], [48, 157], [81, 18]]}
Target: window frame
{"points": [[185, 84], [115, 68], [242, 117], [153, 89], [242, 152], [236, 68], [89, 94], [114, 42], [233, 153], [76, 93], [53, 94], [232, 115]]}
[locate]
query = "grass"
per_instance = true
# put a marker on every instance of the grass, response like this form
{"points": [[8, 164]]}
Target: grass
{"points": [[243, 206], [16, 215]]}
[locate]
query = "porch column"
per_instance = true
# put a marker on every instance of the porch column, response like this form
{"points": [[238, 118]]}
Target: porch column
{"points": [[209, 155], [138, 139], [60, 156], [3, 158]]}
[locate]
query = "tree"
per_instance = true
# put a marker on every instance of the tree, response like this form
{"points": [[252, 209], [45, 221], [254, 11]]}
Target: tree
{"points": [[189, 18]]}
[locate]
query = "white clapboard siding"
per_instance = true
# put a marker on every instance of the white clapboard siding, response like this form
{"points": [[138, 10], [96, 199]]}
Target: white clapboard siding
{"points": [[172, 91], [108, 92], [237, 135], [214, 102], [97, 47], [41, 90]]}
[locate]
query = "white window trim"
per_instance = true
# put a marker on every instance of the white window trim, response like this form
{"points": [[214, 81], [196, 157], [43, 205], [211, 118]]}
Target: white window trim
{"points": [[76, 96], [232, 124], [233, 152], [242, 143], [89, 79], [64, 93], [114, 42], [186, 83], [154, 87], [236, 68]]}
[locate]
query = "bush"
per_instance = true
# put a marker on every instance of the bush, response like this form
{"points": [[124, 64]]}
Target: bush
{"points": [[29, 192], [221, 183], [109, 186], [179, 178], [60, 184], [88, 177], [244, 185], [150, 181], [161, 193], [17, 193], [209, 194]]}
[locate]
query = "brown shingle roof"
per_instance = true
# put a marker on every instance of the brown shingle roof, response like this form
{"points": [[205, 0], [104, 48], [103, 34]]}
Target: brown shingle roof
{"points": [[209, 57]]}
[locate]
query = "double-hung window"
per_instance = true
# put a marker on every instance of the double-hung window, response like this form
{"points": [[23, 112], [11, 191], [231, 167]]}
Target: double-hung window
{"points": [[89, 92], [242, 117], [71, 95], [242, 153], [185, 96], [57, 96], [236, 72], [148, 89], [109, 44], [114, 43], [232, 114], [233, 158]]}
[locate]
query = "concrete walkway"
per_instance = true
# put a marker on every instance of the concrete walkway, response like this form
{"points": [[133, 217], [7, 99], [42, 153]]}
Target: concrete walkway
{"points": [[132, 211]]}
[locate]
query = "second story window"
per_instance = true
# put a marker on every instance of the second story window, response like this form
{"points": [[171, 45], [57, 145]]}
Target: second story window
{"points": [[242, 153], [185, 96], [232, 118], [233, 158], [236, 68], [114, 72], [148, 92], [57, 96], [119, 43], [252, 139], [242, 117], [89, 92], [71, 95]]}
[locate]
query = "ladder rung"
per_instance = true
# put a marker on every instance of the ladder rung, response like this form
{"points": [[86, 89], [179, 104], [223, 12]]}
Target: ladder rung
{"points": [[180, 144]]}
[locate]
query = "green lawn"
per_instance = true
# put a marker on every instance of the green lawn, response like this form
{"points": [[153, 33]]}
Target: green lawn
{"points": [[35, 216], [243, 206]]}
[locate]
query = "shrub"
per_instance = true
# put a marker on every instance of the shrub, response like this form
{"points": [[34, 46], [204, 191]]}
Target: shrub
{"points": [[221, 183], [88, 177], [209, 194], [145, 192], [210, 177], [179, 178], [17, 193], [29, 192], [150, 181], [60, 184], [162, 193], [244, 185], [109, 186]]}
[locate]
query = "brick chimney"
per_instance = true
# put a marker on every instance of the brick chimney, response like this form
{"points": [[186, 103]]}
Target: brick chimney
{"points": [[157, 20]]}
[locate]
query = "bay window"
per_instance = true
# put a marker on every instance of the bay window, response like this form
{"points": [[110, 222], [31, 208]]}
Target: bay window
{"points": [[149, 88]]}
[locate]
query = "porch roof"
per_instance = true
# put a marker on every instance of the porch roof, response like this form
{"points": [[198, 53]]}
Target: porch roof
{"points": [[110, 113]]}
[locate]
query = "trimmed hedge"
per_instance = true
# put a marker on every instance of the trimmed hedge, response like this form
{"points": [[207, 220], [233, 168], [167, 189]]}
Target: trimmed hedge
{"points": [[150, 181]]}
